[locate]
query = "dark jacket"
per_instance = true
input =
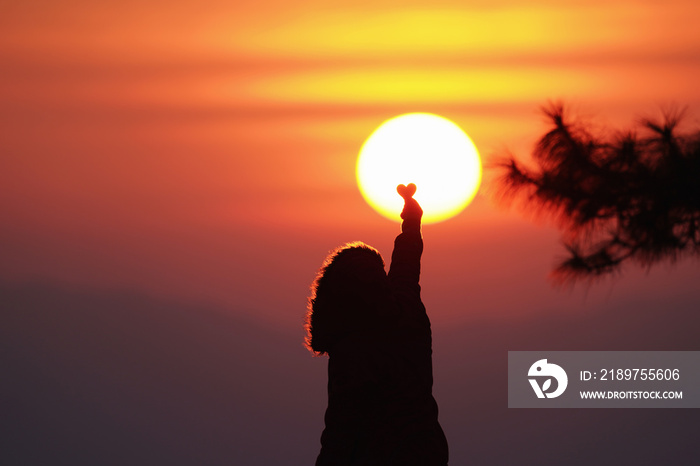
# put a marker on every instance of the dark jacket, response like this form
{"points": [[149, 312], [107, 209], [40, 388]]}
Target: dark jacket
{"points": [[381, 410]]}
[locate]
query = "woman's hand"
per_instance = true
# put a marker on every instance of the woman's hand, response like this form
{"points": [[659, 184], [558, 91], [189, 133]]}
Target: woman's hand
{"points": [[411, 209]]}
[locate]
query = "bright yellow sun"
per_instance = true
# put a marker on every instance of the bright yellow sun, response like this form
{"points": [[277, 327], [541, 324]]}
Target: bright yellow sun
{"points": [[425, 149]]}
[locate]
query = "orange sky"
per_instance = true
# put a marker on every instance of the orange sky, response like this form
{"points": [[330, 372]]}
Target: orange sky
{"points": [[206, 150]]}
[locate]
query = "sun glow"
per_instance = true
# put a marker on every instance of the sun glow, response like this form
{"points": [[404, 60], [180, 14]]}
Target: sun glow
{"points": [[425, 149]]}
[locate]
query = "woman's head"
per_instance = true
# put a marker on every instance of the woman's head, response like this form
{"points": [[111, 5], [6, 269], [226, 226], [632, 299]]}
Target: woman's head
{"points": [[344, 295]]}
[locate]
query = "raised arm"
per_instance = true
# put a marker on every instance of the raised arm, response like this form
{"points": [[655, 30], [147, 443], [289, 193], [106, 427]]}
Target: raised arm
{"points": [[408, 246]]}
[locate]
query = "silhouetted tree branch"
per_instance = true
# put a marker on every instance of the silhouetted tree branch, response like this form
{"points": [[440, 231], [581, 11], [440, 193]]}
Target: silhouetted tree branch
{"points": [[628, 197]]}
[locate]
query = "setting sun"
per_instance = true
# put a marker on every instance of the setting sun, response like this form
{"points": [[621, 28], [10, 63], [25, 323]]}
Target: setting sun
{"points": [[425, 149]]}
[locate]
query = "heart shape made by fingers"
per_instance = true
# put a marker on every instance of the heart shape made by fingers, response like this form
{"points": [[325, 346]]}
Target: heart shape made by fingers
{"points": [[406, 192]]}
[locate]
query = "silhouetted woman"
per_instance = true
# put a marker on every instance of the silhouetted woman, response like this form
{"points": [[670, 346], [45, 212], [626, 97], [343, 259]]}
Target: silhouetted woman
{"points": [[376, 332]]}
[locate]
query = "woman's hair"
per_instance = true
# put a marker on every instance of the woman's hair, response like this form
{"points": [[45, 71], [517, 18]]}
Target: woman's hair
{"points": [[340, 297]]}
